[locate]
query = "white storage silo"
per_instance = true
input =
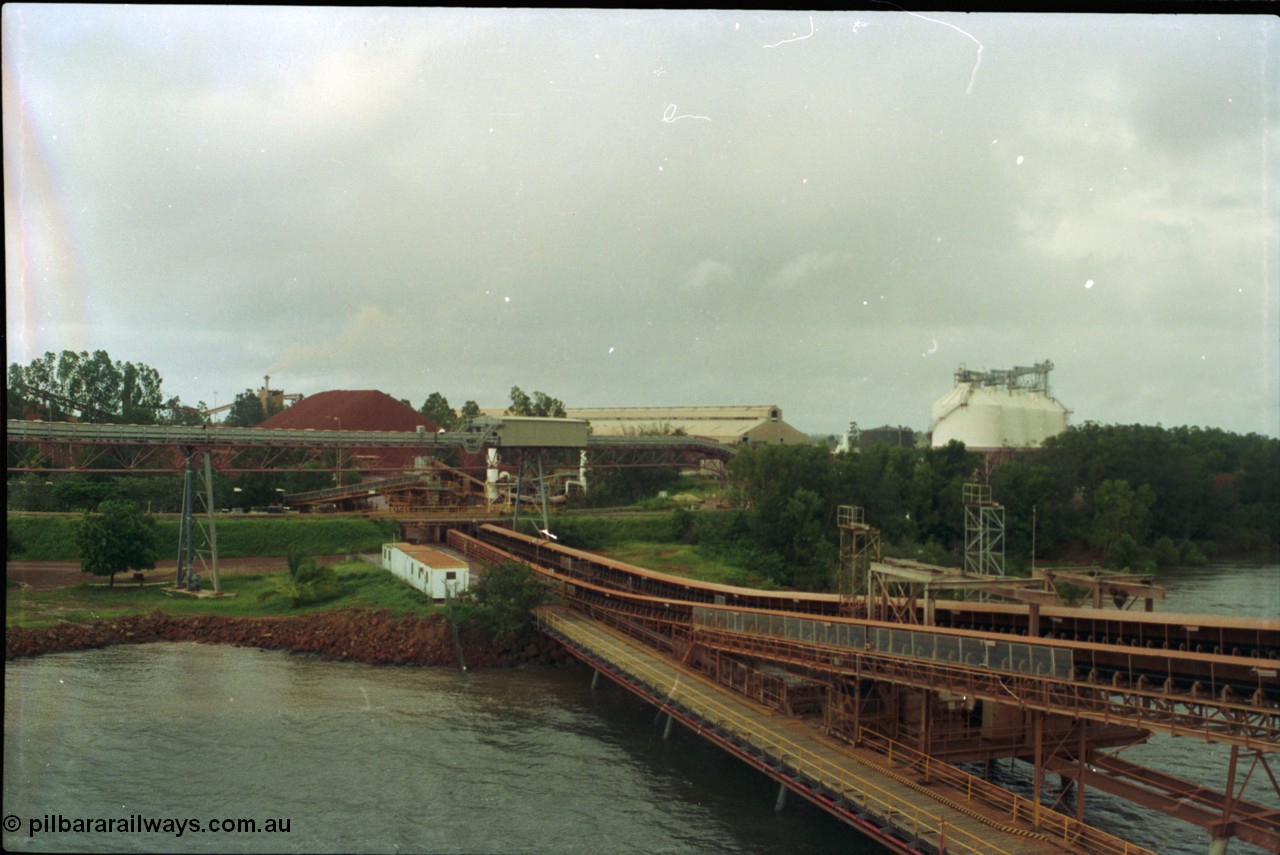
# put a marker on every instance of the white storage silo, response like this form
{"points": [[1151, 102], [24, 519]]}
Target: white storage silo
{"points": [[993, 410]]}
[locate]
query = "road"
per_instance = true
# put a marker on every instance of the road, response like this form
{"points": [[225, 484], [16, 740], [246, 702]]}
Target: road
{"points": [[44, 575]]}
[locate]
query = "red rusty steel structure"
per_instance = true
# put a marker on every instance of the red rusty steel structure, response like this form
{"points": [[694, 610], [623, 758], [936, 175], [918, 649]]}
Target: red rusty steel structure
{"points": [[35, 446], [1090, 679], [1054, 685], [1240, 637]]}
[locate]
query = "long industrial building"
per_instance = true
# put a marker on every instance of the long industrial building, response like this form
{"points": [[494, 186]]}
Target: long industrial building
{"points": [[729, 425]]}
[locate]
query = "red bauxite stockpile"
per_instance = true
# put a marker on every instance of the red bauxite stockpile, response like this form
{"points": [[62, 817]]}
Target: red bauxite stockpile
{"points": [[358, 635], [345, 410], [360, 410]]}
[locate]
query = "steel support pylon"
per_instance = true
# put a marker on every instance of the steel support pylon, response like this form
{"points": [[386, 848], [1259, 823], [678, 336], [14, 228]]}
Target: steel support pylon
{"points": [[197, 541], [983, 531], [859, 546], [541, 481]]}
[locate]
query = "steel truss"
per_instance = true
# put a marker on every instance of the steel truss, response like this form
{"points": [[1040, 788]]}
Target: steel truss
{"points": [[111, 448], [983, 531], [1212, 719], [1114, 706], [859, 549]]}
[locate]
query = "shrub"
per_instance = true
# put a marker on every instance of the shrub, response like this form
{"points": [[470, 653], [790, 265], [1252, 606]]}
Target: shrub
{"points": [[305, 582], [502, 599], [1166, 553]]}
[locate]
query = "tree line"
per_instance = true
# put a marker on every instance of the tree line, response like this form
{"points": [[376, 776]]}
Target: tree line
{"points": [[1126, 496], [436, 407], [92, 388]]}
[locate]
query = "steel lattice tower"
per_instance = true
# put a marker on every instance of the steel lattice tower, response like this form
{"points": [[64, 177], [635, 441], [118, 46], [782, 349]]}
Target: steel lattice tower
{"points": [[983, 531], [859, 546]]}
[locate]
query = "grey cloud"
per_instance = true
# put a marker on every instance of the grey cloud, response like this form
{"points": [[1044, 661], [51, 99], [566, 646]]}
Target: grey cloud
{"points": [[512, 194]]}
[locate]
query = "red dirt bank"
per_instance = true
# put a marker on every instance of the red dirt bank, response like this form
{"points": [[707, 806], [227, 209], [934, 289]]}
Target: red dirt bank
{"points": [[357, 635]]}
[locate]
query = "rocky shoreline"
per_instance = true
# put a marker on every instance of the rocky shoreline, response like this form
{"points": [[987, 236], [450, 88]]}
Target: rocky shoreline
{"points": [[354, 635]]}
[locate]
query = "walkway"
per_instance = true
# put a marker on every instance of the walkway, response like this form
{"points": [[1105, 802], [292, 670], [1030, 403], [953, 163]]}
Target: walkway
{"points": [[895, 809]]}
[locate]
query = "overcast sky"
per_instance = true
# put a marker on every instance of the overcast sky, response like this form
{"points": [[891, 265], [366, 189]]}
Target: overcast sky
{"points": [[828, 212]]}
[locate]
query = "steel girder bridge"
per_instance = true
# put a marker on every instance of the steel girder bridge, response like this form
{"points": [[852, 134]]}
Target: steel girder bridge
{"points": [[34, 446], [406, 460], [975, 684]]}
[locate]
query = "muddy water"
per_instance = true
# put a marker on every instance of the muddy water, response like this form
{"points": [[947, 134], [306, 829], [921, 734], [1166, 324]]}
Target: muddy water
{"points": [[363, 758], [360, 758]]}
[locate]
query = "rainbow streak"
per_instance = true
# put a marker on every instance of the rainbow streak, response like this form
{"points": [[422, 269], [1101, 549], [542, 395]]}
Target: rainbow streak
{"points": [[45, 299]]}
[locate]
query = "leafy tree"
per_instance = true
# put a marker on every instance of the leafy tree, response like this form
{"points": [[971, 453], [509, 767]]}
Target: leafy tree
{"points": [[246, 410], [937, 493], [261, 489], [84, 492], [1038, 506], [785, 490], [1119, 511], [176, 413], [139, 391], [89, 386], [116, 539], [1125, 554], [506, 595], [540, 404], [521, 403], [437, 408], [470, 410], [881, 480], [628, 485]]}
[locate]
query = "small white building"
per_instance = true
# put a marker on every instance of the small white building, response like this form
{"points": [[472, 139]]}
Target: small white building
{"points": [[431, 571]]}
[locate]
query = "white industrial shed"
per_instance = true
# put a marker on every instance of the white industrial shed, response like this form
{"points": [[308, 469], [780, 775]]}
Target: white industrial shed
{"points": [[431, 571], [730, 425]]}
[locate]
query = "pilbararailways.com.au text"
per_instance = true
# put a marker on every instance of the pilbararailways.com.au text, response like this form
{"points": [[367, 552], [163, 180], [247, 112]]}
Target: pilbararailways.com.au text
{"points": [[136, 823]]}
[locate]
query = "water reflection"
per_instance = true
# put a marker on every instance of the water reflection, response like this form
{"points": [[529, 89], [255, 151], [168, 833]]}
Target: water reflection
{"points": [[366, 758]]}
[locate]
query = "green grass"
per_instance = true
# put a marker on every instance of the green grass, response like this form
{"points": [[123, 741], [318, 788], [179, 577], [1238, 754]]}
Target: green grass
{"points": [[45, 538], [53, 538], [361, 585], [681, 559]]}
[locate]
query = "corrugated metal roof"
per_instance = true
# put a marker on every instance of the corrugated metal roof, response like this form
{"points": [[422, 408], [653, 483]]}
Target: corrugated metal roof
{"points": [[719, 429], [433, 558], [727, 424], [683, 414]]}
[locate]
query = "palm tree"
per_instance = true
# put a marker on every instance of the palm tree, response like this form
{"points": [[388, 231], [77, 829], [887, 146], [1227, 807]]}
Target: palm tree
{"points": [[305, 581]]}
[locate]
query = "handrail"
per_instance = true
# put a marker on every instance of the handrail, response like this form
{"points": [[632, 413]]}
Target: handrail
{"points": [[25, 430], [1081, 836], [830, 776]]}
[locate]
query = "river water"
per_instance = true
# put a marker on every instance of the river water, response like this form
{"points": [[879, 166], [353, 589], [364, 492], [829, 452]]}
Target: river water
{"points": [[360, 758]]}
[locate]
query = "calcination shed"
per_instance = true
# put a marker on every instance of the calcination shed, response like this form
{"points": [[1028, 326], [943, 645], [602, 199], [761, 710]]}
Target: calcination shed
{"points": [[432, 572]]}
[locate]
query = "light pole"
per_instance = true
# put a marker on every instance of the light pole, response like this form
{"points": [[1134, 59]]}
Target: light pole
{"points": [[337, 476], [1033, 540]]}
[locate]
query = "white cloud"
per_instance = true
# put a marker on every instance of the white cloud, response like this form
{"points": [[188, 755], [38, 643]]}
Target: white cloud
{"points": [[801, 269], [707, 272]]}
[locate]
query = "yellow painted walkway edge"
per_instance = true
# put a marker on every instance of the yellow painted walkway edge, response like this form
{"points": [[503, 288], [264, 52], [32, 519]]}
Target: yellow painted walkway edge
{"points": [[714, 706]]}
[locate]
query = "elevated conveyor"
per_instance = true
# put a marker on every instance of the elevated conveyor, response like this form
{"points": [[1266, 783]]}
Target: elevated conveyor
{"points": [[856, 787]]}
